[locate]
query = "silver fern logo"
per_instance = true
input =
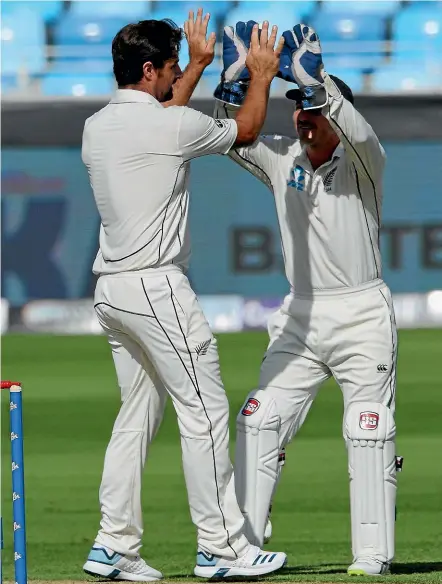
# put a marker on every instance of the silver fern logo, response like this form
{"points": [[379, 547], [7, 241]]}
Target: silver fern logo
{"points": [[328, 179], [202, 348]]}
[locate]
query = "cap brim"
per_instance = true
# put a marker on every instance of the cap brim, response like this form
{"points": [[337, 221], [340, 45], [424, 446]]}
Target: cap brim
{"points": [[295, 95]]}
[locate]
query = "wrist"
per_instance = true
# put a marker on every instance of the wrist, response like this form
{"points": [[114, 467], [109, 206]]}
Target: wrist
{"points": [[232, 92], [198, 64]]}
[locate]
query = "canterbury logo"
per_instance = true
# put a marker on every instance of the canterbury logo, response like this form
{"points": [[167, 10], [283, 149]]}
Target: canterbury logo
{"points": [[202, 348], [328, 179], [382, 368]]}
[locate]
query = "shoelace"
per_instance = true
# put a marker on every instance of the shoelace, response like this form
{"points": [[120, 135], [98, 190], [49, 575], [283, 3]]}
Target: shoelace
{"points": [[136, 566]]}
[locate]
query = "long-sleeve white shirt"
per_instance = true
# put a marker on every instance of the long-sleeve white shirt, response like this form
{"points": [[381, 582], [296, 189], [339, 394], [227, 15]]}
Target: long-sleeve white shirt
{"points": [[329, 219], [137, 154]]}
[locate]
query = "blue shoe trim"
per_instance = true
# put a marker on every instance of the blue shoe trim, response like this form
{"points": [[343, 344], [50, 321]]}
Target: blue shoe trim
{"points": [[264, 559], [114, 573], [205, 559], [272, 557], [221, 573], [256, 559], [101, 556]]}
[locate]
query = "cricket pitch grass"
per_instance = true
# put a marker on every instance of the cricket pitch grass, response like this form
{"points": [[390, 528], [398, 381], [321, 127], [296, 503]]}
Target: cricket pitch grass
{"points": [[70, 403]]}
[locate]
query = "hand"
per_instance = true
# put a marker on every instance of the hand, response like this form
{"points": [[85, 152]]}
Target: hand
{"points": [[236, 43], [201, 49], [263, 59], [301, 57]]}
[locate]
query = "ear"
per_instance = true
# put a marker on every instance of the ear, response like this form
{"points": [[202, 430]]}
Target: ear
{"points": [[148, 70]]}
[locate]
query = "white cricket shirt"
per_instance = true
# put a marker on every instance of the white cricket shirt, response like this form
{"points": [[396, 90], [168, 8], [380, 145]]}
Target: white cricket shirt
{"points": [[137, 154], [329, 218]]}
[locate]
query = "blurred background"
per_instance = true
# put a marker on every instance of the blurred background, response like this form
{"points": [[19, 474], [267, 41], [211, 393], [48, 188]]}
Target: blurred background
{"points": [[56, 70]]}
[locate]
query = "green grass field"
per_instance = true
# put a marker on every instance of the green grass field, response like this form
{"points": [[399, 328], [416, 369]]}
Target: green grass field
{"points": [[71, 400]]}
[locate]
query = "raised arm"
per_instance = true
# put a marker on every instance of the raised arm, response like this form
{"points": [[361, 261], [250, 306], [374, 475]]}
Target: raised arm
{"points": [[250, 63], [301, 63], [355, 133], [201, 53]]}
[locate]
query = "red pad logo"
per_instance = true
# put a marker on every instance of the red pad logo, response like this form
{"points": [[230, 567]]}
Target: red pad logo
{"points": [[251, 406], [368, 420]]}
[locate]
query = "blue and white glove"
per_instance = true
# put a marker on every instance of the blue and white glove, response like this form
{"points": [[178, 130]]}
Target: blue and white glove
{"points": [[301, 63], [235, 77]]}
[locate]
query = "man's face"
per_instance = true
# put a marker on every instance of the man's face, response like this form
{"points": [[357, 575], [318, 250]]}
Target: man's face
{"points": [[166, 78], [313, 128]]}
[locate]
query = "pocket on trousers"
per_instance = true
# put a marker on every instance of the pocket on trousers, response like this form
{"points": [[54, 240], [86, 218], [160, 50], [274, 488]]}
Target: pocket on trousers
{"points": [[181, 314]]}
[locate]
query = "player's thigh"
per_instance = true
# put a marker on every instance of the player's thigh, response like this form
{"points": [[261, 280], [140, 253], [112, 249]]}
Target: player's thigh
{"points": [[143, 394], [291, 374], [365, 352], [162, 314]]}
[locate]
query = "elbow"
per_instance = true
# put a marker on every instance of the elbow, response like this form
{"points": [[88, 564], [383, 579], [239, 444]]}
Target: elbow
{"points": [[246, 137]]}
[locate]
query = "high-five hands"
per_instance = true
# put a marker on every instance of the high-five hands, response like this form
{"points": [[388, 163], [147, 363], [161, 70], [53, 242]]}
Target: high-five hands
{"points": [[301, 63], [248, 52], [201, 48], [263, 58]]}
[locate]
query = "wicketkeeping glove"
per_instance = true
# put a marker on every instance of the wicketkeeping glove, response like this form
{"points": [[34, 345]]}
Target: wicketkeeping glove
{"points": [[235, 77], [301, 63]]}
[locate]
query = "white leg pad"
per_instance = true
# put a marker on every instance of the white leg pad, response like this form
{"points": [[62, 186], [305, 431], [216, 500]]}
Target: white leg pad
{"points": [[256, 461], [370, 433]]}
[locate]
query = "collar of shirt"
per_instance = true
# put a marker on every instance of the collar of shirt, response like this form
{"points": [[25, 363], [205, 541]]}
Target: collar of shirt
{"points": [[134, 96], [337, 153]]}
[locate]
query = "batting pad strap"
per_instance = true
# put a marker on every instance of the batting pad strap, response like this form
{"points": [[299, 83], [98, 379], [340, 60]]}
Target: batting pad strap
{"points": [[370, 432], [256, 461]]}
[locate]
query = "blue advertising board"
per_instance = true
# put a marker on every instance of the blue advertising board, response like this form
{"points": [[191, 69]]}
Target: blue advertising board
{"points": [[50, 225]]}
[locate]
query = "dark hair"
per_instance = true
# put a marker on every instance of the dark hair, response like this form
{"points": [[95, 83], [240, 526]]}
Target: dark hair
{"points": [[156, 41]]}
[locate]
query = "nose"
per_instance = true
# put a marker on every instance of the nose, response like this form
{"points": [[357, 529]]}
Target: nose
{"points": [[178, 72]]}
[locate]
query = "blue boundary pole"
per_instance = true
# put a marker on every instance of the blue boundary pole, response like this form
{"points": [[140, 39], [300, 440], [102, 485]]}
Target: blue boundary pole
{"points": [[18, 484]]}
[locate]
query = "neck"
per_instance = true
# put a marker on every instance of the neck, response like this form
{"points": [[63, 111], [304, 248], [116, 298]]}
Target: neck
{"points": [[141, 86], [322, 154]]}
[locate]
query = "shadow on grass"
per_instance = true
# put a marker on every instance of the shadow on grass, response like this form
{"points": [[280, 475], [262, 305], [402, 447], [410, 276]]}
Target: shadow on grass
{"points": [[399, 568], [416, 568]]}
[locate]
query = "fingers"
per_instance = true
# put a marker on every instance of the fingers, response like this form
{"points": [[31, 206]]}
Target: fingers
{"points": [[198, 21], [272, 37], [279, 46], [264, 37], [186, 29], [254, 40], [190, 24], [211, 41]]}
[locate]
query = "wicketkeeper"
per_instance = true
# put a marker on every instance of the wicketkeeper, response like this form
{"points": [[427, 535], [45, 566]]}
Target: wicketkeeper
{"points": [[338, 319]]}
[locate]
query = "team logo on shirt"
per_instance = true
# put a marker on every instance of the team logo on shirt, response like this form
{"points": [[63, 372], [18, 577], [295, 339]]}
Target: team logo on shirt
{"points": [[328, 179], [251, 406], [297, 178], [201, 348], [368, 420]]}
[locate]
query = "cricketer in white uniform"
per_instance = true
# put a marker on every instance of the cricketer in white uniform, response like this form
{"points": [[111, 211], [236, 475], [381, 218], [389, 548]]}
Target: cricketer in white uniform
{"points": [[137, 154], [338, 318]]}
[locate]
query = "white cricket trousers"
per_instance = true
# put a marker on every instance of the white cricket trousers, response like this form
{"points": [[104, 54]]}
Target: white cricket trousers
{"points": [[162, 345], [350, 335]]}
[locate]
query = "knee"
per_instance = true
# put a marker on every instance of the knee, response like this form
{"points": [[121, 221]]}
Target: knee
{"points": [[366, 422], [259, 412]]}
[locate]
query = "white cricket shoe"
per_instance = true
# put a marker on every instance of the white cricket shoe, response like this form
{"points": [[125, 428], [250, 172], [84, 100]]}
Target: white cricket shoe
{"points": [[255, 562], [268, 530], [106, 563], [368, 567]]}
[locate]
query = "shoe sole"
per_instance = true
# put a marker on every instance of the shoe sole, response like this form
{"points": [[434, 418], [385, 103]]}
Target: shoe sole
{"points": [[212, 572], [104, 571], [359, 572]]}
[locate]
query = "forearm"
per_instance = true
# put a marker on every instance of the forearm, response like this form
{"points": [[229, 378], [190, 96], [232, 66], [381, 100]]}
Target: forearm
{"points": [[355, 133], [185, 87], [251, 116]]}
